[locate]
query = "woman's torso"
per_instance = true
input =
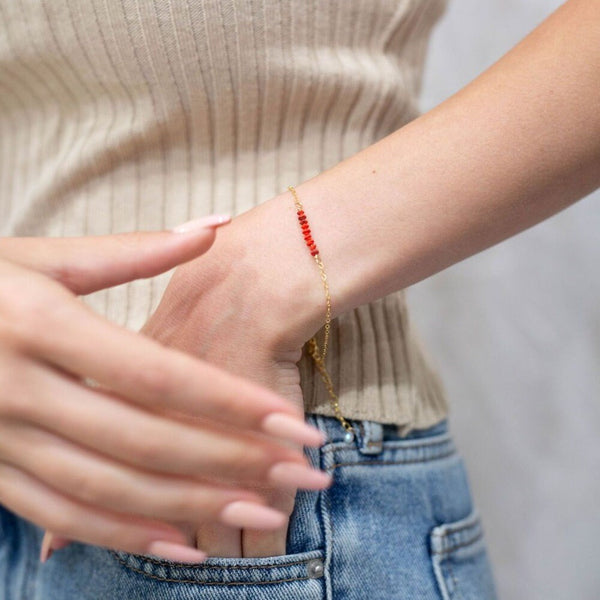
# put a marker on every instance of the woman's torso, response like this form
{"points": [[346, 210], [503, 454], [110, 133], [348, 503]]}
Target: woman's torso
{"points": [[117, 115]]}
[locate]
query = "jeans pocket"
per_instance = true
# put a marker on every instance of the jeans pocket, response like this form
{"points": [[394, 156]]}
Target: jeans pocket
{"points": [[460, 560], [220, 571], [298, 573]]}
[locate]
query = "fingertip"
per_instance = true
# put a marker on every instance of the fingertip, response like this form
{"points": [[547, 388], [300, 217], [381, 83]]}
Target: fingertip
{"points": [[241, 513], [46, 549], [59, 542], [176, 552], [288, 427]]}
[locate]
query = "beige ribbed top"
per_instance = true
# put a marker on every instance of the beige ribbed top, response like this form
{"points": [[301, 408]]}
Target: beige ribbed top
{"points": [[117, 115]]}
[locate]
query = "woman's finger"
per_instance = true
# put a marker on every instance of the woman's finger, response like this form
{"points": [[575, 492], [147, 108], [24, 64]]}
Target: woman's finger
{"points": [[87, 264], [114, 428], [74, 520], [98, 481], [59, 331], [51, 542]]}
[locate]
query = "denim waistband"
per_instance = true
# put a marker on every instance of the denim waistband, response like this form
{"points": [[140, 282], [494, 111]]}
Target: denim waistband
{"points": [[336, 432], [370, 437]]}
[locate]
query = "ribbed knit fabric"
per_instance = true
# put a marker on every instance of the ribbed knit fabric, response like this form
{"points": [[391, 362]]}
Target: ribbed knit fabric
{"points": [[119, 115]]}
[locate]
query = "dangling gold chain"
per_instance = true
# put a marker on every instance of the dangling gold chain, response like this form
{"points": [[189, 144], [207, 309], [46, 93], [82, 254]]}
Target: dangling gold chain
{"points": [[313, 348]]}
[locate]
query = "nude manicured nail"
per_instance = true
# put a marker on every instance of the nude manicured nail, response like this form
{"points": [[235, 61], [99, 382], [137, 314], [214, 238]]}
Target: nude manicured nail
{"points": [[249, 514], [203, 223], [176, 552], [46, 549], [288, 427], [59, 542], [295, 475]]}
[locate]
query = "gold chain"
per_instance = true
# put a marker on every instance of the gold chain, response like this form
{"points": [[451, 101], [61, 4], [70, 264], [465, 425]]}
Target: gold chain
{"points": [[317, 355]]}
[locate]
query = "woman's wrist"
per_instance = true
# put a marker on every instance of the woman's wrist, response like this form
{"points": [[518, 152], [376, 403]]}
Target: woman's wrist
{"points": [[259, 272], [290, 288]]}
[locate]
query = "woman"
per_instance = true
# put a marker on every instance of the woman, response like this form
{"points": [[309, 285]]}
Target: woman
{"points": [[149, 113]]}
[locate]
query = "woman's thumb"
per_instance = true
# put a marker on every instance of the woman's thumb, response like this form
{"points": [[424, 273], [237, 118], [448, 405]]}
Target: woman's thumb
{"points": [[87, 264]]}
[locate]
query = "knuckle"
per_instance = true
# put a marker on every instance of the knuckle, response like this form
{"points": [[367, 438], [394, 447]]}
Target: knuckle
{"points": [[10, 333], [91, 489], [15, 402], [34, 308], [189, 506], [155, 380], [9, 401], [16, 331], [248, 464], [230, 406], [8, 406], [36, 319], [144, 448]]}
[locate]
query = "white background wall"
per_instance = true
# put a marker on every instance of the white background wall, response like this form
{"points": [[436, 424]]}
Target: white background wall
{"points": [[515, 332]]}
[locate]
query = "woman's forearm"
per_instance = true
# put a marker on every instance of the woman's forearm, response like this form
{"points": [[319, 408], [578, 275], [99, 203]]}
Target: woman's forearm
{"points": [[517, 145]]}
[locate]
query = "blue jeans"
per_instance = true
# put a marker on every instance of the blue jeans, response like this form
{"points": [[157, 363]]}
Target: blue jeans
{"points": [[398, 523]]}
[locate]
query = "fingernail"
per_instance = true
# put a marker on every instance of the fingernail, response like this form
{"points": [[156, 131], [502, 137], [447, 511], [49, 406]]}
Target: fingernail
{"points": [[176, 552], [203, 223], [286, 426], [295, 475], [249, 514], [46, 550], [59, 542]]}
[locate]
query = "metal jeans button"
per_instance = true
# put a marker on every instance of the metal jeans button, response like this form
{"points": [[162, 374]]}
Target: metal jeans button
{"points": [[315, 568]]}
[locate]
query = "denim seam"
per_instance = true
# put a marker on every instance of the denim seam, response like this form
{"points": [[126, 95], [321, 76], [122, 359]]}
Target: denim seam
{"points": [[195, 581], [31, 579], [387, 445], [452, 576], [326, 515], [393, 462], [461, 545], [440, 578], [162, 563], [332, 531], [362, 429], [472, 522], [389, 441]]}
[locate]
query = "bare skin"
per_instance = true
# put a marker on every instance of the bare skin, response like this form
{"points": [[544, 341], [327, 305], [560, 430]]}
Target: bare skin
{"points": [[108, 437], [515, 146]]}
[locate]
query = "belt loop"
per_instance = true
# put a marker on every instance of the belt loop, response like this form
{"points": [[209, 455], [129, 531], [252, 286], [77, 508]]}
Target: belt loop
{"points": [[369, 436]]}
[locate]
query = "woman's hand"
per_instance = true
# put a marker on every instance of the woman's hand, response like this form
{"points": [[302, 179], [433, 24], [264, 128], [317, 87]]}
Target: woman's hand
{"points": [[248, 306], [108, 437]]}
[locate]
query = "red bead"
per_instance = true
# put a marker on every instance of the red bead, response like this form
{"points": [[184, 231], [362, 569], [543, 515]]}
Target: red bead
{"points": [[304, 226], [314, 252], [300, 213], [312, 246], [307, 234], [308, 240], [302, 219]]}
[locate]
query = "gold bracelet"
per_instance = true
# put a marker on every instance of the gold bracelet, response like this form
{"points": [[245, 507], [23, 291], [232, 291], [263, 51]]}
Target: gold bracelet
{"points": [[313, 348]]}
